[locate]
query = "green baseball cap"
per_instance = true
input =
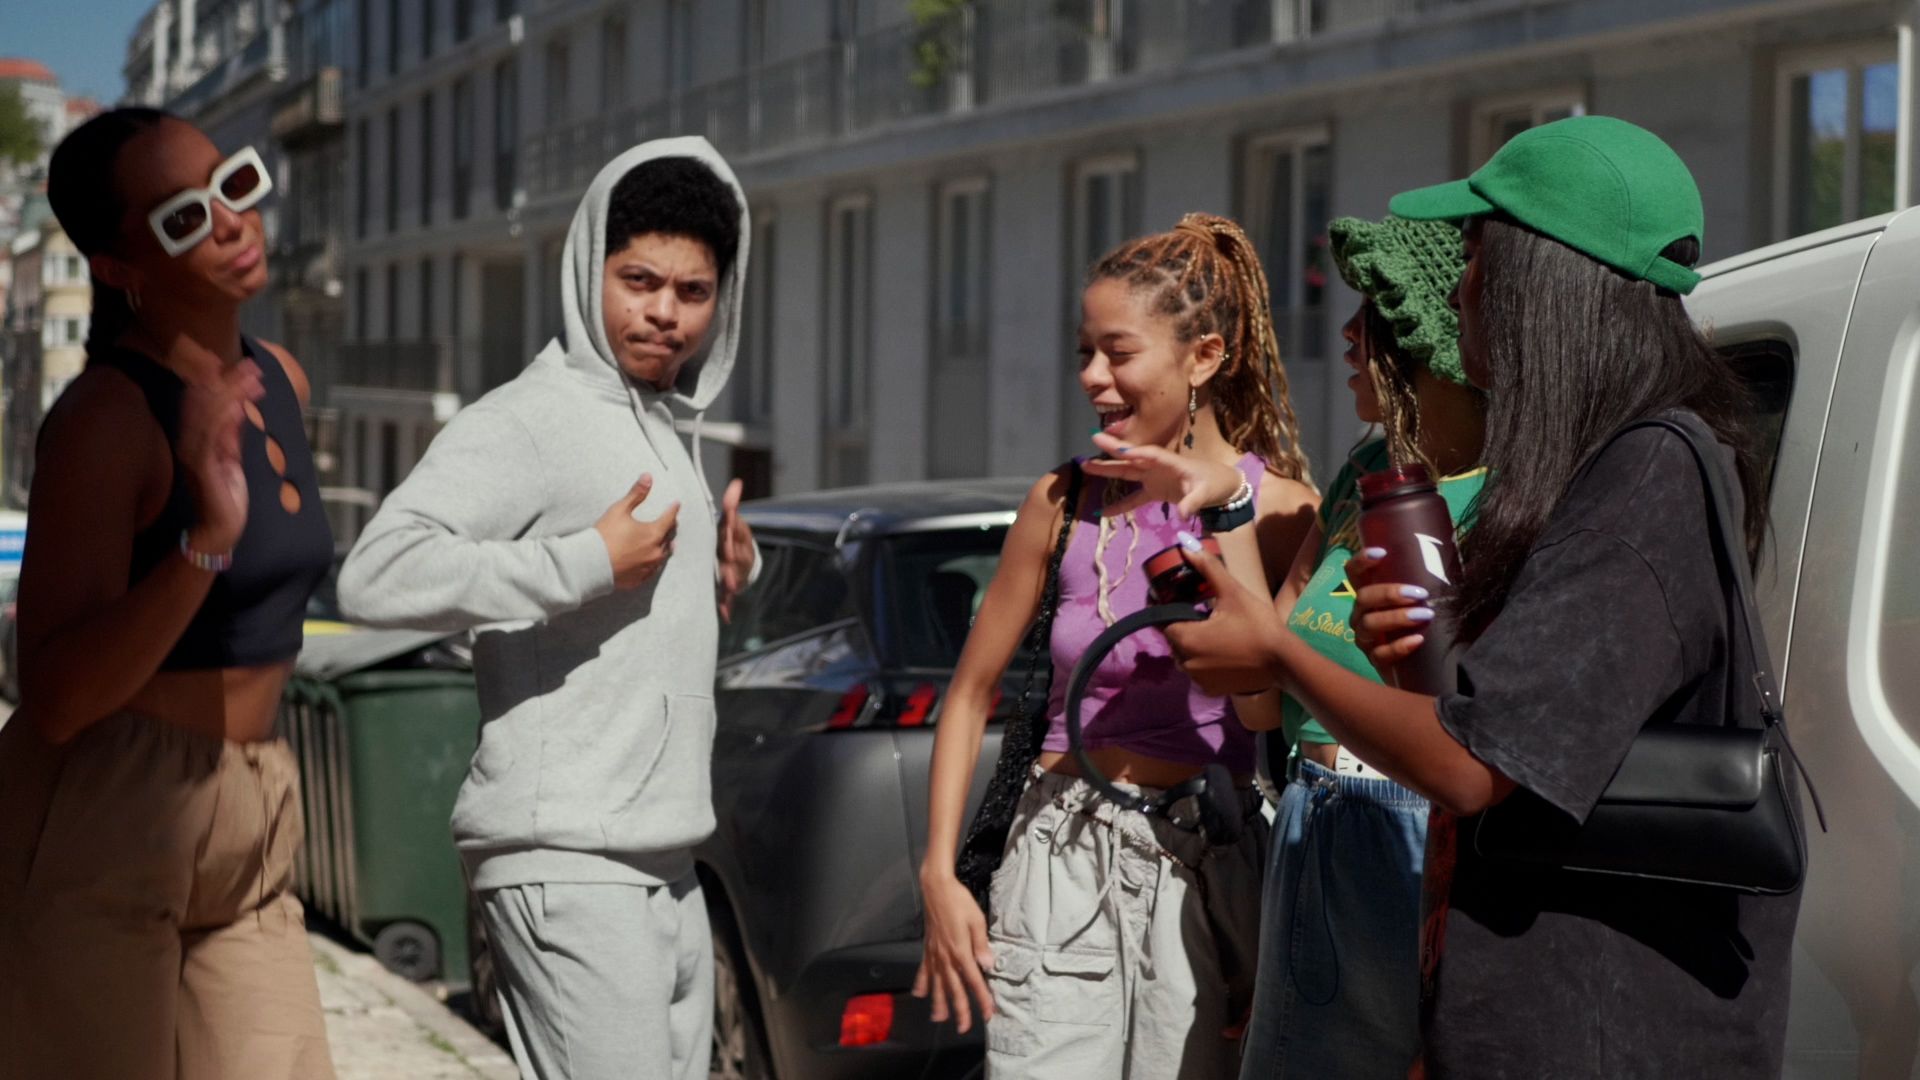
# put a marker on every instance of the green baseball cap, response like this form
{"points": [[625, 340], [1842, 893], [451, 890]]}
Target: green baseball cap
{"points": [[1597, 184]]}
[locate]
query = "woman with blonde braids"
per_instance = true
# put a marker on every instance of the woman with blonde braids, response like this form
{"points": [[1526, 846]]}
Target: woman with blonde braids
{"points": [[1121, 945]]}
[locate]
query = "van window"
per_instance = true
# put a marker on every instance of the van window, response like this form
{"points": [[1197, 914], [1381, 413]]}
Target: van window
{"points": [[1900, 596], [1766, 367]]}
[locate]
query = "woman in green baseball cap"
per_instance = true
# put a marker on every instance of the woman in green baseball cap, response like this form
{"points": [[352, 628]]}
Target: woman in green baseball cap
{"points": [[1591, 604], [1337, 991]]}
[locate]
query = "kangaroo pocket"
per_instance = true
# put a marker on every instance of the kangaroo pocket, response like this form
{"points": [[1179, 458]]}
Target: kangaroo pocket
{"points": [[661, 797]]}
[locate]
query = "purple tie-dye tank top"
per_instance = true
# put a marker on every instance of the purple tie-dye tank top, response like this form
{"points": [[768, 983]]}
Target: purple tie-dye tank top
{"points": [[1137, 699]]}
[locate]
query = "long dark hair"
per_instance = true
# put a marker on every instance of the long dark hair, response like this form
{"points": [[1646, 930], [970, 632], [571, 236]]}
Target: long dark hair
{"points": [[84, 191], [1577, 351]]}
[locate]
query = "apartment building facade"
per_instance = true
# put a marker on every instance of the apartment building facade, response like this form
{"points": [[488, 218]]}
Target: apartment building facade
{"points": [[927, 194]]}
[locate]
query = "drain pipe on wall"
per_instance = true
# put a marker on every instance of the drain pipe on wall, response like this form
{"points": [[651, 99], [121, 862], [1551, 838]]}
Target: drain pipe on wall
{"points": [[1903, 131]]}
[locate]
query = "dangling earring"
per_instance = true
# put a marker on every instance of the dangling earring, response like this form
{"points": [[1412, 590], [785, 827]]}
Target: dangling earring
{"points": [[1193, 410], [133, 299]]}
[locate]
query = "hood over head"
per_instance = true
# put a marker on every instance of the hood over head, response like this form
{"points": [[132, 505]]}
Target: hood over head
{"points": [[583, 347]]}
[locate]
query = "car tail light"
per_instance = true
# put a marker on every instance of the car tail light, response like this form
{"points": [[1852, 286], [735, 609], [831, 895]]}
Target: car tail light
{"points": [[919, 704], [867, 1019], [851, 703]]}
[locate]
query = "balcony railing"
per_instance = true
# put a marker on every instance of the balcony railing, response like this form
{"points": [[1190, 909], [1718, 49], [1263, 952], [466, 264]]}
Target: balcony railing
{"points": [[420, 366], [988, 52]]}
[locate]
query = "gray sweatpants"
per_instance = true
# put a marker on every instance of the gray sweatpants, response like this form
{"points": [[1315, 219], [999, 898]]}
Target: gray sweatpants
{"points": [[1123, 947], [605, 981]]}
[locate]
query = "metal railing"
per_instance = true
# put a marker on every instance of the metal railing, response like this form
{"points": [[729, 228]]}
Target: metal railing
{"points": [[420, 366], [987, 52]]}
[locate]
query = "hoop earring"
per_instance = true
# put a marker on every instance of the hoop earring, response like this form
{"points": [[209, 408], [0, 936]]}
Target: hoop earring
{"points": [[1193, 410], [133, 300]]}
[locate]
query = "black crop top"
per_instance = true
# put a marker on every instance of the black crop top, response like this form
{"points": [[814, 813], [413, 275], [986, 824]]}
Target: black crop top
{"points": [[254, 611]]}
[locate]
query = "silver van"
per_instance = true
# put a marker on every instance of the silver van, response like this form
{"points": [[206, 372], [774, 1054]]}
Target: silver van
{"points": [[1827, 329]]}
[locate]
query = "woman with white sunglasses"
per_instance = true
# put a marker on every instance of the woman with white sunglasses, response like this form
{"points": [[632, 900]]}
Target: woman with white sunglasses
{"points": [[148, 814]]}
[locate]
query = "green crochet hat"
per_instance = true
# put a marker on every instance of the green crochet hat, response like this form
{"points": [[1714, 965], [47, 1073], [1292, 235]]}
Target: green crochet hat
{"points": [[1407, 268]]}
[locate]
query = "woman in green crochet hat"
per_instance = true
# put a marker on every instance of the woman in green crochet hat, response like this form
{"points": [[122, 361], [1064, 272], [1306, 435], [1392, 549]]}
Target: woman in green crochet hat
{"points": [[1337, 992], [1591, 606]]}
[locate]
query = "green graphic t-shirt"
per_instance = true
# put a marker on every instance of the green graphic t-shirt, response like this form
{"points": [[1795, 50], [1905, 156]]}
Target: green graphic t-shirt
{"points": [[1320, 615]]}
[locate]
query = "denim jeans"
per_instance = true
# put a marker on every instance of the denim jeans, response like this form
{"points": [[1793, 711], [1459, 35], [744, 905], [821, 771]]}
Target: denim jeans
{"points": [[1338, 988]]}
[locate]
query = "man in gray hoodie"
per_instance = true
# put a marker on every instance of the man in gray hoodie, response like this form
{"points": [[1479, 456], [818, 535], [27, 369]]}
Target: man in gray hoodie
{"points": [[547, 515]]}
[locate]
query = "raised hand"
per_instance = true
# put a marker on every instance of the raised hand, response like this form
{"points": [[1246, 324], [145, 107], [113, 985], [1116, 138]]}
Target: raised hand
{"points": [[208, 449], [734, 559], [1389, 620], [1187, 481], [638, 548], [1231, 650]]}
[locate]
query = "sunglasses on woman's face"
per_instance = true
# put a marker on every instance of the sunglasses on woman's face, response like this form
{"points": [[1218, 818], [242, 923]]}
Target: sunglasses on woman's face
{"points": [[239, 183]]}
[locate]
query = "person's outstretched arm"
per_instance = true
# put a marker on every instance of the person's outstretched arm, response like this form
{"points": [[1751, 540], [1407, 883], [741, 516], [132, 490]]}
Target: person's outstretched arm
{"points": [[447, 549]]}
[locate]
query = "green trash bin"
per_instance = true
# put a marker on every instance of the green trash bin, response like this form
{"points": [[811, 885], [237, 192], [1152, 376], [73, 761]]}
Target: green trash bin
{"points": [[382, 753]]}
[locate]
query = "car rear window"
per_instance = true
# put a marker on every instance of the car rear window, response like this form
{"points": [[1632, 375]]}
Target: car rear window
{"points": [[934, 582]]}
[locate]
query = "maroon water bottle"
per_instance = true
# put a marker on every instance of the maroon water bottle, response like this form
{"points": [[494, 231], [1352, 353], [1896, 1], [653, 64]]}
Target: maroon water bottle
{"points": [[1401, 511]]}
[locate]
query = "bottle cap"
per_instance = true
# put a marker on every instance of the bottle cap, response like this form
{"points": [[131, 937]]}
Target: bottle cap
{"points": [[1395, 480]]}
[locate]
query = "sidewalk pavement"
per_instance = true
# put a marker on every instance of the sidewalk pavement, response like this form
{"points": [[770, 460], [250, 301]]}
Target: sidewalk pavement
{"points": [[382, 1027]]}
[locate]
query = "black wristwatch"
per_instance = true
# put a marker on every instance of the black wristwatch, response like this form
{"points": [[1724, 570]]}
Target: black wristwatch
{"points": [[1219, 519]]}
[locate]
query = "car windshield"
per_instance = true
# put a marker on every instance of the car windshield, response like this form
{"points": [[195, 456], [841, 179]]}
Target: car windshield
{"points": [[934, 584]]}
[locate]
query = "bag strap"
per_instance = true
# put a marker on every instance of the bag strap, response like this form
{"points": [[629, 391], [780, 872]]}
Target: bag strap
{"points": [[1037, 638], [1726, 532]]}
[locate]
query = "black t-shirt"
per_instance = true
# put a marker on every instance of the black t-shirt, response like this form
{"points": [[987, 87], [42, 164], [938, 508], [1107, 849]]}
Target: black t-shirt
{"points": [[1617, 616]]}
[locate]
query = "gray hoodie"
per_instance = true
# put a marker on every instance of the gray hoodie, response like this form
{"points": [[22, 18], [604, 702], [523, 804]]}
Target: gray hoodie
{"points": [[594, 762]]}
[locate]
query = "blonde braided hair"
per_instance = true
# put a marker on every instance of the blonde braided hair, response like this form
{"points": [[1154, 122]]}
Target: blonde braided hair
{"points": [[1207, 276]]}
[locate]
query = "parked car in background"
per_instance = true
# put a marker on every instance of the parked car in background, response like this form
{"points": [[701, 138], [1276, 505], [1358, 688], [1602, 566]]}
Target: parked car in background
{"points": [[830, 683], [1827, 329]]}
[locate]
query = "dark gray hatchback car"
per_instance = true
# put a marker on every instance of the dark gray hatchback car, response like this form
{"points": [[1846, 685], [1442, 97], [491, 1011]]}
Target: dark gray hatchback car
{"points": [[831, 679]]}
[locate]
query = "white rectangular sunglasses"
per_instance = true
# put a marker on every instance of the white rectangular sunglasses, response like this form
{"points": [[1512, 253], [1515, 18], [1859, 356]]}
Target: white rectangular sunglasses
{"points": [[239, 183]]}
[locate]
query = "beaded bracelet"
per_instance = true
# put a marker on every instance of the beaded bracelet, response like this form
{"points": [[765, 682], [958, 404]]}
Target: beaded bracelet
{"points": [[201, 560], [1236, 512]]}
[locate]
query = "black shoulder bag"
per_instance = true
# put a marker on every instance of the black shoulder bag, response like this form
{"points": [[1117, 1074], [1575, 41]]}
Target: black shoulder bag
{"points": [[1026, 731], [1693, 803]]}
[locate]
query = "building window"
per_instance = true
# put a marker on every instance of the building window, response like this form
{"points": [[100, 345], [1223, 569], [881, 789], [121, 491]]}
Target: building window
{"points": [[462, 19], [613, 63], [393, 169], [362, 193], [1838, 110], [463, 150], [1288, 190], [957, 408], [1106, 211], [505, 9], [506, 132], [1496, 120], [393, 37], [429, 153], [679, 43], [848, 318], [393, 301], [362, 319], [363, 28], [753, 35], [427, 11], [426, 299], [753, 377], [558, 78]]}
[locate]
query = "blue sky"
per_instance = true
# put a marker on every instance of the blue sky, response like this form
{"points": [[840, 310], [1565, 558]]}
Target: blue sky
{"points": [[83, 41]]}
